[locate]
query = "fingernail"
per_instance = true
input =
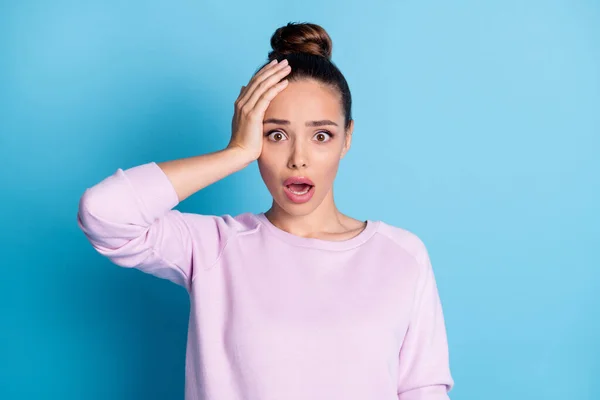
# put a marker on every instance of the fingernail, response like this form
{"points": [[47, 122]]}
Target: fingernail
{"points": [[284, 62], [273, 62]]}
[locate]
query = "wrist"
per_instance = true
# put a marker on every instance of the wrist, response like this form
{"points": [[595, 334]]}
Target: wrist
{"points": [[240, 154]]}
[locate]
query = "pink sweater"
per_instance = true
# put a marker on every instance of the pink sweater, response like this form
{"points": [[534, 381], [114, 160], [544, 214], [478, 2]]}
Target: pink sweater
{"points": [[275, 316]]}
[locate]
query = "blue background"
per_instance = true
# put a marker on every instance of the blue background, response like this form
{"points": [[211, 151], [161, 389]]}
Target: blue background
{"points": [[477, 128]]}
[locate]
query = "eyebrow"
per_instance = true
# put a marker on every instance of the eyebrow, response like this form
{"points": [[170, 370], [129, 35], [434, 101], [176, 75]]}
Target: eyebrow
{"points": [[309, 123]]}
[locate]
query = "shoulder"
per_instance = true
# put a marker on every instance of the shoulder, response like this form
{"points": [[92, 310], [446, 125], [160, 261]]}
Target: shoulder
{"points": [[403, 239], [210, 234], [224, 224]]}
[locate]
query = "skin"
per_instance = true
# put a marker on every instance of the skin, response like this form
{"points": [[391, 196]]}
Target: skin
{"points": [[294, 149], [304, 151]]}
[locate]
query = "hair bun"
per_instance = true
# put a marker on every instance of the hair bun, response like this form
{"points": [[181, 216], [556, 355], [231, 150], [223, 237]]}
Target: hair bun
{"points": [[301, 38]]}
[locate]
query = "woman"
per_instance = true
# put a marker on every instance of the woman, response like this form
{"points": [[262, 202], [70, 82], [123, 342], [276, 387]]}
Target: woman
{"points": [[298, 302]]}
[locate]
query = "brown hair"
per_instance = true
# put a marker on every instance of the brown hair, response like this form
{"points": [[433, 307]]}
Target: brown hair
{"points": [[308, 48]]}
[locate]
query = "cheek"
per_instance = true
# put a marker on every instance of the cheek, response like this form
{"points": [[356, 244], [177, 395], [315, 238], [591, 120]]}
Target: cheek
{"points": [[326, 166], [331, 172], [326, 159]]}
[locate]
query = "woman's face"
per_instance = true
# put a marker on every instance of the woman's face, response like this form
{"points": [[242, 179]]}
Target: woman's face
{"points": [[294, 145]]}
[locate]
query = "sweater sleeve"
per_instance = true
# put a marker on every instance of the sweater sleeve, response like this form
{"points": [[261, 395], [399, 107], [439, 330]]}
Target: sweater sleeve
{"points": [[424, 371], [129, 218]]}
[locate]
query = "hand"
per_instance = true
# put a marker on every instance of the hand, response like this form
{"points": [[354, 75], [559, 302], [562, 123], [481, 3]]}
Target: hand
{"points": [[251, 105]]}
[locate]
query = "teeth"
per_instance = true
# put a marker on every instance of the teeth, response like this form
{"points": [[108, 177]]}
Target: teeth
{"points": [[299, 193]]}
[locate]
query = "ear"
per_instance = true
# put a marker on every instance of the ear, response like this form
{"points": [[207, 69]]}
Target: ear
{"points": [[347, 139]]}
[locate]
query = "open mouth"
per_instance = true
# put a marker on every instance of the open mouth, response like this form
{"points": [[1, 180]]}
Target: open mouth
{"points": [[299, 188]]}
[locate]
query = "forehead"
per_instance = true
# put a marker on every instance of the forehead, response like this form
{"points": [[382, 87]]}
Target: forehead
{"points": [[304, 100]]}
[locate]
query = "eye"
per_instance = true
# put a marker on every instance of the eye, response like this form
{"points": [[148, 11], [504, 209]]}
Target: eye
{"points": [[323, 136], [275, 136]]}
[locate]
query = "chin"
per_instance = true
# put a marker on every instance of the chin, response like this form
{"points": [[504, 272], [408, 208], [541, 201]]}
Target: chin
{"points": [[295, 209]]}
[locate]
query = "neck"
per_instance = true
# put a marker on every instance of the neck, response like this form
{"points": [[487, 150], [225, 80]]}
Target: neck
{"points": [[326, 218]]}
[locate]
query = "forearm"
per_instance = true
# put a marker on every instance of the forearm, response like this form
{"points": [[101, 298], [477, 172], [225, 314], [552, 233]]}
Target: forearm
{"points": [[189, 175]]}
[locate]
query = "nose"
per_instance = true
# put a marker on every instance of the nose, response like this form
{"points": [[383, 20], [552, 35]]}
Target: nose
{"points": [[297, 158]]}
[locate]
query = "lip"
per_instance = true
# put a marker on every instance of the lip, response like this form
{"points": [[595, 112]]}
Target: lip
{"points": [[298, 198], [298, 180]]}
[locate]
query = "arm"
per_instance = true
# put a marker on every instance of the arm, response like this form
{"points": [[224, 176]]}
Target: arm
{"points": [[189, 175], [129, 217], [424, 372]]}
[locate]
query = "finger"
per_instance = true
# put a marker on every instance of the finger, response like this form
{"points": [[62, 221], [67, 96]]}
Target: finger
{"points": [[266, 85], [263, 102], [240, 94], [256, 81], [266, 67], [260, 73]]}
